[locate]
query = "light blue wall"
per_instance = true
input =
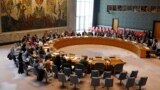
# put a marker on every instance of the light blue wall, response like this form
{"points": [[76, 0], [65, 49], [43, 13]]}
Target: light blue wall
{"points": [[135, 20]]}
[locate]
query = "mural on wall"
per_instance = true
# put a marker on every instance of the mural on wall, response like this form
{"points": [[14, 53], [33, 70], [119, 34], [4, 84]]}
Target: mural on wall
{"points": [[18, 15]]}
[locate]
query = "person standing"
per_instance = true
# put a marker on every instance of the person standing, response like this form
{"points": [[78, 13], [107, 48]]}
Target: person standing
{"points": [[21, 66]]}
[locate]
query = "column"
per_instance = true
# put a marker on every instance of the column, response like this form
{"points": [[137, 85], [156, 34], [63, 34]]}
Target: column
{"points": [[71, 15], [0, 21]]}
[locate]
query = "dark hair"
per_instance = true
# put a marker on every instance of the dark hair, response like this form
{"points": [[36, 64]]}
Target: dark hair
{"points": [[48, 50], [156, 40]]}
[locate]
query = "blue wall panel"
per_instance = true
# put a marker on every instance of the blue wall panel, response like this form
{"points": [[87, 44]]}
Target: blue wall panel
{"points": [[135, 20]]}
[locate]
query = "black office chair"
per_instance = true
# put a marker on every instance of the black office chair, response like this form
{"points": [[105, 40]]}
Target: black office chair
{"points": [[95, 81], [106, 74], [118, 68], [100, 67], [129, 82], [121, 76], [79, 73], [108, 83], [62, 78], [67, 71], [94, 73], [74, 80], [80, 66], [141, 82], [133, 74], [55, 70]]}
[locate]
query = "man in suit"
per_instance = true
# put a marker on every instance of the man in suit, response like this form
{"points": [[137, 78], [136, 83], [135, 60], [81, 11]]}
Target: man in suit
{"points": [[58, 62]]}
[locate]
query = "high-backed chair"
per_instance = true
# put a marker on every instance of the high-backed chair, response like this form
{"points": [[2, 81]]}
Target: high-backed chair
{"points": [[95, 81], [62, 78], [67, 71], [118, 68], [106, 74], [35, 69], [55, 70], [108, 83], [66, 65], [99, 66], [141, 82], [80, 66], [74, 80], [133, 74], [129, 82], [94, 73], [79, 73], [47, 75], [121, 76]]}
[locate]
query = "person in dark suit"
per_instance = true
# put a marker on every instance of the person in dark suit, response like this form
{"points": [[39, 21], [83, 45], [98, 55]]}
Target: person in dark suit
{"points": [[41, 51], [41, 71], [149, 42], [154, 44], [57, 62], [23, 48], [63, 59], [21, 66], [84, 61], [68, 65], [84, 33]]}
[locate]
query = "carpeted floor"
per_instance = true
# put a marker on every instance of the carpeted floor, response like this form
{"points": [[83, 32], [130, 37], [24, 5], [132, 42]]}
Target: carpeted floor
{"points": [[11, 80]]}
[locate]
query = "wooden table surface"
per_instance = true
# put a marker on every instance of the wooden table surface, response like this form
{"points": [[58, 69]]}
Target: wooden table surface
{"points": [[138, 49]]}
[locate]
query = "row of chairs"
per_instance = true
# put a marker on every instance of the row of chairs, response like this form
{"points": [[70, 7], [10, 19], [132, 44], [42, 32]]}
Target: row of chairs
{"points": [[67, 71], [74, 79], [95, 78], [129, 79], [95, 81], [124, 75]]}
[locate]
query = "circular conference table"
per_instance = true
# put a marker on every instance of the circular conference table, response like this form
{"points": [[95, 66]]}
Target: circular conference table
{"points": [[137, 48]]}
